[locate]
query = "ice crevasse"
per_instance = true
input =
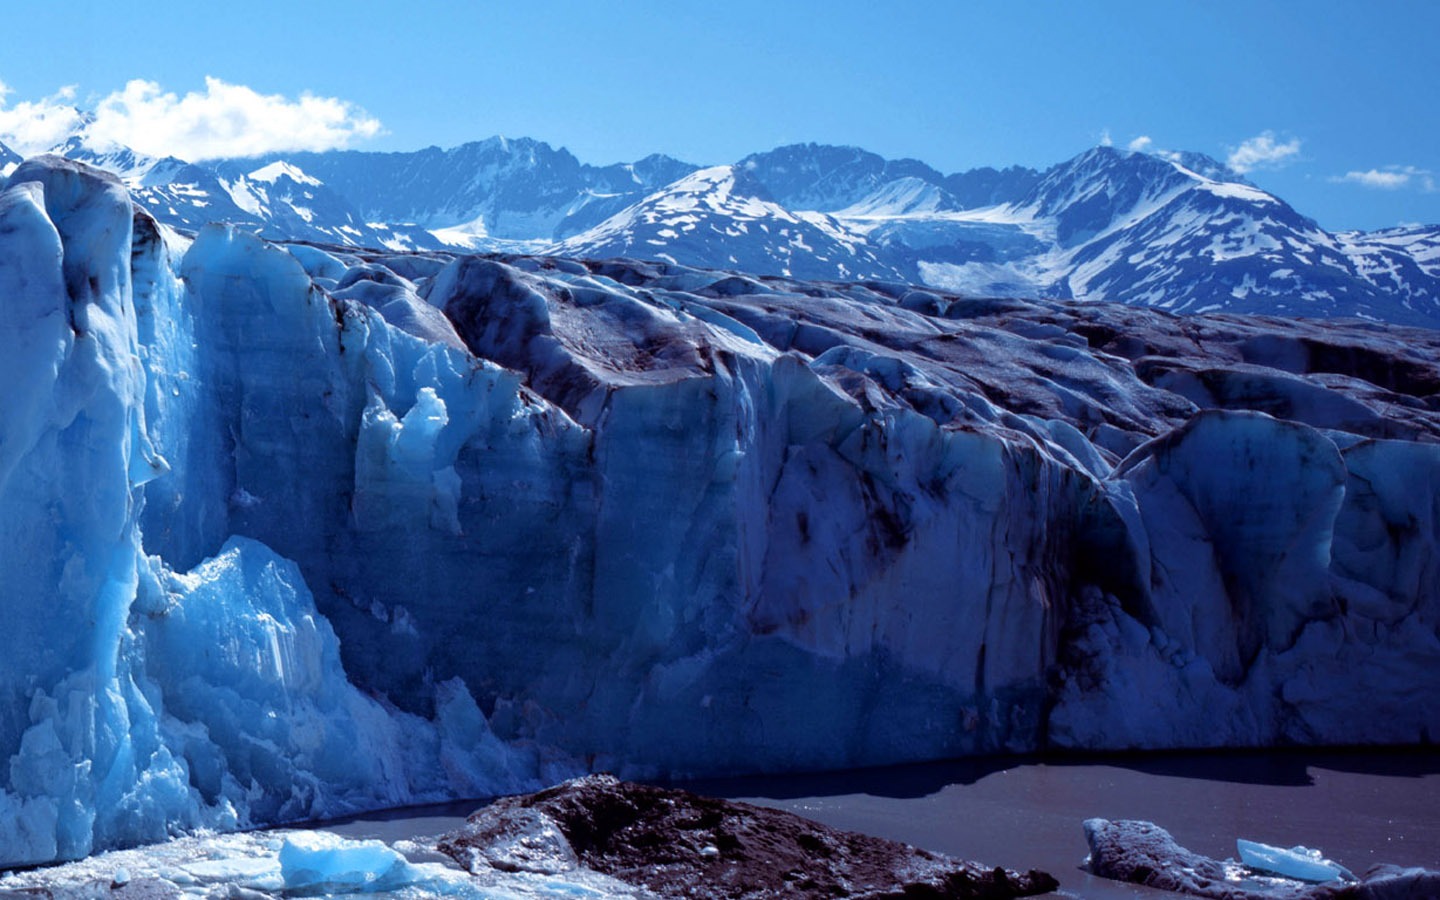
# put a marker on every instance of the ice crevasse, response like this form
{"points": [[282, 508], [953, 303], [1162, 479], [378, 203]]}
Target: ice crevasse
{"points": [[287, 533]]}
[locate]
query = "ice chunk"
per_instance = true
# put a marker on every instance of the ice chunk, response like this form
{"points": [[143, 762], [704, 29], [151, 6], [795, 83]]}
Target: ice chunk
{"points": [[259, 872], [310, 859], [1300, 863]]}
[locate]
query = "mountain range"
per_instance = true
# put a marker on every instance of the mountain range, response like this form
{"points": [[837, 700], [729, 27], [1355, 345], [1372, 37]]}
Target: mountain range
{"points": [[1177, 231]]}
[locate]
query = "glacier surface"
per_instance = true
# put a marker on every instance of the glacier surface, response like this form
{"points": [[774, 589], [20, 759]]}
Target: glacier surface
{"points": [[295, 530]]}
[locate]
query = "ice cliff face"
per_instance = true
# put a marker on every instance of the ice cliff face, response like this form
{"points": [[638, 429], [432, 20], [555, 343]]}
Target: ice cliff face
{"points": [[139, 698], [289, 531]]}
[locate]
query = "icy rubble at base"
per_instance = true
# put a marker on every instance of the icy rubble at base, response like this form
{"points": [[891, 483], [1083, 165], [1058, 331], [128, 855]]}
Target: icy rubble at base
{"points": [[303, 863], [283, 540]]}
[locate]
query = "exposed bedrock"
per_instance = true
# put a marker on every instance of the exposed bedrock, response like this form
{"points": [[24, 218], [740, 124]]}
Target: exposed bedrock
{"points": [[662, 520], [673, 843]]}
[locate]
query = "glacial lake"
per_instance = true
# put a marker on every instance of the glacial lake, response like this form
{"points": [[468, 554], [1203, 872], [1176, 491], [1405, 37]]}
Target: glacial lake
{"points": [[1360, 808]]}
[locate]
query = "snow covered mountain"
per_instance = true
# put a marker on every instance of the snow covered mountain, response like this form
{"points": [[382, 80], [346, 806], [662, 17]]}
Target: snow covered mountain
{"points": [[515, 190], [290, 531], [825, 177], [1177, 231], [820, 177], [1402, 262], [1141, 229], [723, 214], [277, 200]]}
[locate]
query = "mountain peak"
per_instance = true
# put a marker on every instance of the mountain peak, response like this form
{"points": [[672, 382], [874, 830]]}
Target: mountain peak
{"points": [[1190, 161], [277, 170], [1087, 194], [1206, 166], [829, 178]]}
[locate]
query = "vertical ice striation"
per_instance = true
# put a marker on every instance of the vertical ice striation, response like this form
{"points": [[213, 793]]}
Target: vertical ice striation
{"points": [[75, 455], [140, 700], [288, 532]]}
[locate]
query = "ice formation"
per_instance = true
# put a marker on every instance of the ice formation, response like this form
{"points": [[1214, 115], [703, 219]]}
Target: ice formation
{"points": [[298, 863], [289, 531], [1299, 863]]}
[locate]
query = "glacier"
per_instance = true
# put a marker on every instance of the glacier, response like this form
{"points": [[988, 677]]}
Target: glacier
{"points": [[292, 530]]}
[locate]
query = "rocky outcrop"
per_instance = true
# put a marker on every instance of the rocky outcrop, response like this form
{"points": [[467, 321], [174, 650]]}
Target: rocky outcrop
{"points": [[677, 844]]}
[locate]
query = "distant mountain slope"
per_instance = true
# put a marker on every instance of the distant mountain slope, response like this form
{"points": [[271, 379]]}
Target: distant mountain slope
{"points": [[1179, 231], [279, 200], [519, 189], [723, 214], [1404, 263], [1209, 245], [1184, 234], [829, 178], [988, 186]]}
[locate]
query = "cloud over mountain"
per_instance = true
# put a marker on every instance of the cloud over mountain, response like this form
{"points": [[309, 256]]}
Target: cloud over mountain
{"points": [[223, 120], [1390, 178], [1262, 151]]}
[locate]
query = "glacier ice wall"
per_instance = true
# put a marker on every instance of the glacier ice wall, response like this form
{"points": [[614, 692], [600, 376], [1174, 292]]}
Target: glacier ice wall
{"points": [[141, 698], [291, 531]]}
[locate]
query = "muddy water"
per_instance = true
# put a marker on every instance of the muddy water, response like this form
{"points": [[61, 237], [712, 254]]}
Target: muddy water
{"points": [[1359, 808]]}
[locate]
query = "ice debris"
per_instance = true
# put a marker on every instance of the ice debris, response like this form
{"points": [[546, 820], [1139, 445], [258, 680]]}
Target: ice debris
{"points": [[295, 863], [1301, 863]]}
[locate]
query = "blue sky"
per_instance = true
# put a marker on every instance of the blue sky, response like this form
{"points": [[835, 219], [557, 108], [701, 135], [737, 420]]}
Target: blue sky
{"points": [[1331, 100]]}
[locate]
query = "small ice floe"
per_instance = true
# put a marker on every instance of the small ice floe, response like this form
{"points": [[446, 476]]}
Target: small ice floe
{"points": [[310, 859], [1299, 863]]}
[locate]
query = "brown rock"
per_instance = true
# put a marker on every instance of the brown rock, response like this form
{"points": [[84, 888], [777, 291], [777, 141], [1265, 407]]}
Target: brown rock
{"points": [[677, 844]]}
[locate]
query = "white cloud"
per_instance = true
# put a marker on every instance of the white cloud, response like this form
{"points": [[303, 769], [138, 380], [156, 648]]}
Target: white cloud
{"points": [[1391, 178], [1105, 140], [36, 126], [1262, 152], [1140, 144], [223, 120]]}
